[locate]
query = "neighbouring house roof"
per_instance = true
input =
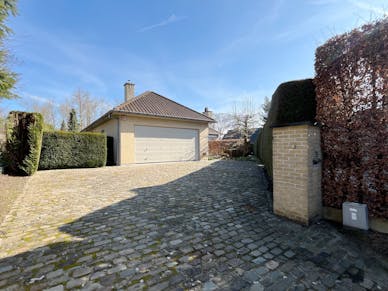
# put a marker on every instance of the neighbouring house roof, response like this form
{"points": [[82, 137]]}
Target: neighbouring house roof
{"points": [[153, 104], [236, 134], [212, 131], [254, 136], [232, 134]]}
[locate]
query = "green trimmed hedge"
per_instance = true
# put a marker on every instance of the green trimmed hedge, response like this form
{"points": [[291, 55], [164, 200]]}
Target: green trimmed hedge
{"points": [[292, 102], [264, 148], [24, 139], [61, 150]]}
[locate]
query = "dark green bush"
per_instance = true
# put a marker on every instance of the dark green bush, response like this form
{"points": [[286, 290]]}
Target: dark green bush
{"points": [[264, 147], [23, 145], [61, 150], [292, 102]]}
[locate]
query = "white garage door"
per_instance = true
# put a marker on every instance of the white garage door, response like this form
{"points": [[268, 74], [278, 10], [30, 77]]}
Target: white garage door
{"points": [[162, 144]]}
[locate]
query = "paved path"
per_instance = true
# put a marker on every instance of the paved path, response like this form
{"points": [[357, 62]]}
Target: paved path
{"points": [[10, 188], [195, 225]]}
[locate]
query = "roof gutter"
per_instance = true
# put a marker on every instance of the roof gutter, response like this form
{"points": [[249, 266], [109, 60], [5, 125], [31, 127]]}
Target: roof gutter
{"points": [[211, 120], [112, 113], [100, 120]]}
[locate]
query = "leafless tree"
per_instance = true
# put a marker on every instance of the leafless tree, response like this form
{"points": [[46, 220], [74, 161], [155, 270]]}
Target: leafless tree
{"points": [[54, 113], [87, 107], [49, 111], [3, 117], [81, 101], [64, 110], [3, 113], [246, 116], [224, 122]]}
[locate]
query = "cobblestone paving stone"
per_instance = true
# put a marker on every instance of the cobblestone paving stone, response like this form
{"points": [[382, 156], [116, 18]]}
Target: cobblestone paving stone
{"points": [[195, 225]]}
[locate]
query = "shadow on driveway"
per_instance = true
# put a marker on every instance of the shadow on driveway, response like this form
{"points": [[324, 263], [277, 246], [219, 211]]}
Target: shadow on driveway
{"points": [[208, 230]]}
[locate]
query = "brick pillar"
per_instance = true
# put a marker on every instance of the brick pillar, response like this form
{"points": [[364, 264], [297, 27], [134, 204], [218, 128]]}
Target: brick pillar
{"points": [[297, 172]]}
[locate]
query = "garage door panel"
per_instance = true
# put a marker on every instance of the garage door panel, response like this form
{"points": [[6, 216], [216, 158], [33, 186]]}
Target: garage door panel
{"points": [[162, 144]]}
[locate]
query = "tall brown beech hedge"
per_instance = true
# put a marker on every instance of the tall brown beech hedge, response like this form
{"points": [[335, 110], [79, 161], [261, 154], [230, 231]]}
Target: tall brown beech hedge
{"points": [[352, 92]]}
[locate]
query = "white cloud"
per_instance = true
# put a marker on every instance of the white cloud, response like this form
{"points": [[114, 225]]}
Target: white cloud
{"points": [[253, 37], [321, 2], [37, 98], [171, 19], [72, 57], [221, 97], [27, 97], [367, 6], [335, 19], [84, 65]]}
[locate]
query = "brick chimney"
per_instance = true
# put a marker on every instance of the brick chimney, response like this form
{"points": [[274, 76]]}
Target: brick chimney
{"points": [[129, 91], [208, 113]]}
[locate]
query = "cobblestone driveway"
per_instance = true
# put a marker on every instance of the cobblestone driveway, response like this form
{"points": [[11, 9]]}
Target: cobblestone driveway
{"points": [[196, 225]]}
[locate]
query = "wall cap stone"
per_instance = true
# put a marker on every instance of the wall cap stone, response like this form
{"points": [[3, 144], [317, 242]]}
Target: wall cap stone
{"points": [[295, 124]]}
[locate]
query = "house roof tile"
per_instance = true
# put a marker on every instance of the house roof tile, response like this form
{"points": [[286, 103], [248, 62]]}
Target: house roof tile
{"points": [[151, 103]]}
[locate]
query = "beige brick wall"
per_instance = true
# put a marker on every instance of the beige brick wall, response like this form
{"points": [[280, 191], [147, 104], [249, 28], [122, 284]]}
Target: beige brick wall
{"points": [[315, 172], [123, 131], [296, 178], [110, 128]]}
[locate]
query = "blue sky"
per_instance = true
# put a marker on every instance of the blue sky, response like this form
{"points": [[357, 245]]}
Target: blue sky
{"points": [[199, 53]]}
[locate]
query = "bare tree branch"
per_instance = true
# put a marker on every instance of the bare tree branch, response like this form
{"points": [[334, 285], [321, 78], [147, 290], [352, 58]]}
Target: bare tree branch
{"points": [[245, 117], [48, 111], [88, 108], [224, 122]]}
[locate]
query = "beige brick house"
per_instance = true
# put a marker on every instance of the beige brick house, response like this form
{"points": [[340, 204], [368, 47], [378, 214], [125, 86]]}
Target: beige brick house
{"points": [[152, 128]]}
